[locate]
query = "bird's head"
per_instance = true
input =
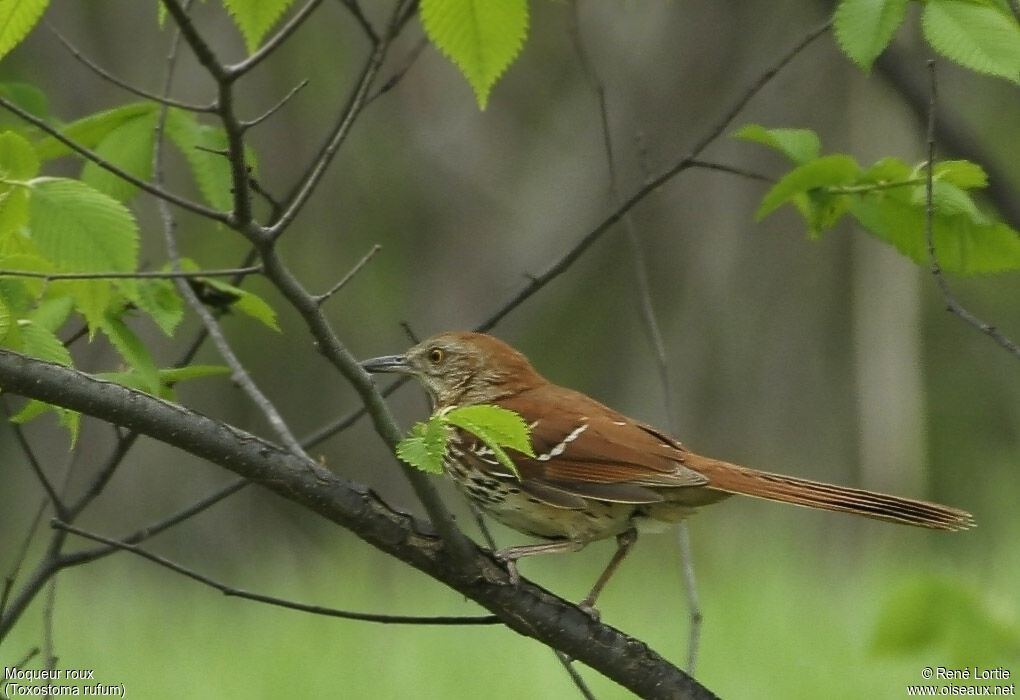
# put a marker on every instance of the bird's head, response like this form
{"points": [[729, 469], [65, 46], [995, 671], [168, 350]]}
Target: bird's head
{"points": [[461, 368]]}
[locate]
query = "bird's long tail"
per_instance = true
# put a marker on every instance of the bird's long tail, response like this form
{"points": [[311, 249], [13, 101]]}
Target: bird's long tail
{"points": [[732, 478]]}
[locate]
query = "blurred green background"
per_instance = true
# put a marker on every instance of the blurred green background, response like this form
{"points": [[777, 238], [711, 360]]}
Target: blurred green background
{"points": [[832, 360]]}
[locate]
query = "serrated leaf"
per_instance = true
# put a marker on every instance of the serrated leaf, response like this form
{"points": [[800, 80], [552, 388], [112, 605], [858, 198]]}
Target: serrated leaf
{"points": [[133, 351], [799, 145], [502, 426], [827, 171], [255, 18], [245, 302], [962, 245], [480, 36], [40, 342], [425, 448], [90, 130], [496, 427], [159, 299], [128, 146], [203, 147], [865, 27], [17, 18], [82, 230], [975, 35], [13, 219], [18, 161], [51, 314], [962, 173], [28, 97]]}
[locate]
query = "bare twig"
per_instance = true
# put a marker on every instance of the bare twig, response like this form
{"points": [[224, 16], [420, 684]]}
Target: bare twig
{"points": [[274, 42], [275, 108], [733, 170], [399, 74], [51, 492], [111, 78], [359, 17], [952, 305], [161, 194], [153, 529], [103, 476], [356, 102], [19, 558], [156, 274], [687, 161], [651, 323], [322, 298], [271, 600]]}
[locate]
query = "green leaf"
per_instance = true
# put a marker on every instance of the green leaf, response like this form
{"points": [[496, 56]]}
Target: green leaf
{"points": [[159, 299], [975, 35], [17, 18], [826, 171], [18, 161], [962, 173], [799, 145], [39, 341], [6, 319], [244, 301], [938, 616], [965, 241], [481, 37], [425, 448], [91, 130], [133, 351], [865, 27], [255, 18], [28, 97], [129, 146], [51, 314], [203, 147], [82, 230], [496, 427]]}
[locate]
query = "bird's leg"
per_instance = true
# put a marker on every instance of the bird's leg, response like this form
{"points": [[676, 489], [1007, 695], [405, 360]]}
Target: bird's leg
{"points": [[510, 555], [624, 543]]}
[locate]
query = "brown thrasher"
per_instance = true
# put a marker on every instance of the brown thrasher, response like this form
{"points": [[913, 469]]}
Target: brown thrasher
{"points": [[597, 472]]}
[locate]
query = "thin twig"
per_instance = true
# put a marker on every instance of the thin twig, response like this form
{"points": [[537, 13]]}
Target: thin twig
{"points": [[19, 558], [88, 154], [271, 600], [274, 42], [568, 666], [51, 492], [156, 274], [359, 17], [399, 74], [124, 444], [275, 108], [567, 259], [356, 102], [650, 322], [952, 305], [322, 298], [733, 170], [238, 373], [138, 536], [110, 77], [49, 646]]}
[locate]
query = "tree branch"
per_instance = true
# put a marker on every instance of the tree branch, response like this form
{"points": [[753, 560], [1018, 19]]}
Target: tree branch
{"points": [[525, 608]]}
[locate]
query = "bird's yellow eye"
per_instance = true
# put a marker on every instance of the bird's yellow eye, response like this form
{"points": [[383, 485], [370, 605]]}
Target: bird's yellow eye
{"points": [[436, 355]]}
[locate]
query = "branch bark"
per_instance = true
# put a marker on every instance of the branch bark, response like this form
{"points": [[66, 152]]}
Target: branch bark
{"points": [[525, 608]]}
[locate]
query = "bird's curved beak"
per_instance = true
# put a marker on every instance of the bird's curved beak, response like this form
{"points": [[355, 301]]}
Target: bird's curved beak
{"points": [[387, 363]]}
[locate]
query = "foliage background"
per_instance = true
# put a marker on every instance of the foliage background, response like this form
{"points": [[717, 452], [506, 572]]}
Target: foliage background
{"points": [[830, 359]]}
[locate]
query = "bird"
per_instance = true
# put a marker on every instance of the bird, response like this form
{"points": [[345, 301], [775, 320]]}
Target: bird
{"points": [[597, 473]]}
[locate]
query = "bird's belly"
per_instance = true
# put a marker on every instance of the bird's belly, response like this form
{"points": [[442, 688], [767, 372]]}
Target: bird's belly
{"points": [[511, 506]]}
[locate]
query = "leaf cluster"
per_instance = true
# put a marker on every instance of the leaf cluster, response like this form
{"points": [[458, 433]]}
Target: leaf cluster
{"points": [[497, 428], [889, 199]]}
